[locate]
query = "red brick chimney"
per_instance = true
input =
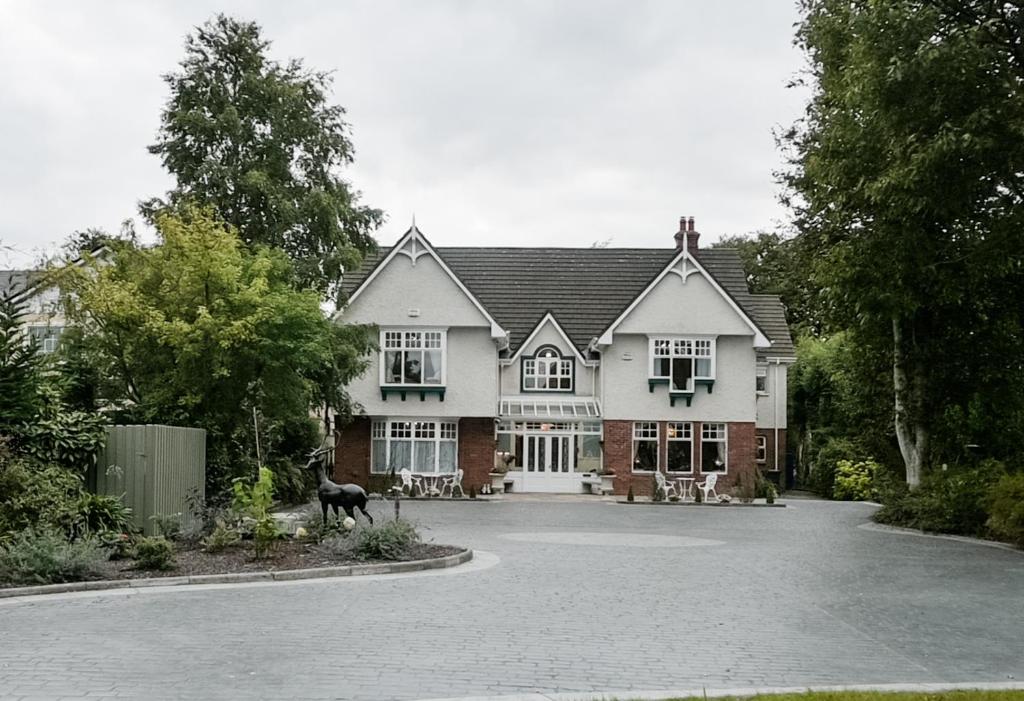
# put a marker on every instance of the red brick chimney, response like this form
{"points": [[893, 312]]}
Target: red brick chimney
{"points": [[688, 234]]}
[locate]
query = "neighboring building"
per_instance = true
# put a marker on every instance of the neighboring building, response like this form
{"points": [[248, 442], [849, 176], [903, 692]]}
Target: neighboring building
{"points": [[565, 360], [44, 317]]}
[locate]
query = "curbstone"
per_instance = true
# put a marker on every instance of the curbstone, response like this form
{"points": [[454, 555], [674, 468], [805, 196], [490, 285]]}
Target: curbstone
{"points": [[240, 577]]}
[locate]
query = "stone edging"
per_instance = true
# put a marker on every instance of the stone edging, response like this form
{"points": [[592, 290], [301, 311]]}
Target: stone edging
{"points": [[694, 503], [237, 577], [900, 530]]}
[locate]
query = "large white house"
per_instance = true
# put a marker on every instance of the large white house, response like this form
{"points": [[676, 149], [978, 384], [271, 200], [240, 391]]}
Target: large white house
{"points": [[564, 361]]}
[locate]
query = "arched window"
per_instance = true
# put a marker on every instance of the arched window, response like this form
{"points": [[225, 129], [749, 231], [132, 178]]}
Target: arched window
{"points": [[547, 370]]}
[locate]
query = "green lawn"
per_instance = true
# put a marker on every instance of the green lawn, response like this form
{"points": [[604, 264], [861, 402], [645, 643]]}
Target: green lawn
{"points": [[1015, 695]]}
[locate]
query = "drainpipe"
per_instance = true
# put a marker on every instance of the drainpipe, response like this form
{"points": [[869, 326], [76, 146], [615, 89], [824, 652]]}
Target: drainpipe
{"points": [[775, 416]]}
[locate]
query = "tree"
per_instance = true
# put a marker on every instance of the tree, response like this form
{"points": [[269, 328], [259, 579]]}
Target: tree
{"points": [[20, 368], [906, 184], [256, 141], [778, 265], [201, 330]]}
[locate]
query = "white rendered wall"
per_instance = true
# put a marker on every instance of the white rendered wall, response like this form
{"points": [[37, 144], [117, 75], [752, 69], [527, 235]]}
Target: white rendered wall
{"points": [[775, 399], [695, 307], [627, 396]]}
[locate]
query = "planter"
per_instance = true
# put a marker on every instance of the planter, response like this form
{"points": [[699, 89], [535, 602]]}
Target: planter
{"points": [[498, 482], [608, 483]]}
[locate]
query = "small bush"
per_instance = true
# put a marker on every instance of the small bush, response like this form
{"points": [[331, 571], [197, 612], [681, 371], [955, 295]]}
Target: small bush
{"points": [[629, 495], [117, 545], [390, 540], [746, 487], [155, 553], [47, 557], [222, 537], [856, 481], [167, 525], [1005, 501], [253, 502], [822, 476], [100, 513], [41, 498]]}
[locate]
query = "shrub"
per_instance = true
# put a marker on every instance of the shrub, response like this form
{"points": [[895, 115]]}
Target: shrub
{"points": [[99, 513], [222, 537], [155, 553], [953, 500], [390, 540], [47, 557], [855, 481], [254, 502], [117, 545], [824, 462], [1005, 501], [746, 487], [167, 525]]}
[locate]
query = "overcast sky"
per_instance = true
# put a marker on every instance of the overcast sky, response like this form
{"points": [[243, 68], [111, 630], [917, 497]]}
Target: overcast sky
{"points": [[495, 123]]}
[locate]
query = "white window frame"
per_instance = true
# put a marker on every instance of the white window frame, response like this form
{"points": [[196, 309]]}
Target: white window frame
{"points": [[396, 339], [413, 430], [761, 449], [642, 431], [693, 348], [761, 380], [679, 432], [715, 433], [548, 357]]}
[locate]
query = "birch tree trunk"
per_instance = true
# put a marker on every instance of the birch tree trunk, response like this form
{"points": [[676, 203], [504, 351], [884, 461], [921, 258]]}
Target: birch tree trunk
{"points": [[911, 433]]}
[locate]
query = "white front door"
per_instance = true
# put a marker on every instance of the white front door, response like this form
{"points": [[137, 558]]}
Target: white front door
{"points": [[549, 463]]}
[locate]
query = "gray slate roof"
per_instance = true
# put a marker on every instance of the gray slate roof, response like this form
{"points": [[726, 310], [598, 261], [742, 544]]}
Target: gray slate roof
{"points": [[585, 289]]}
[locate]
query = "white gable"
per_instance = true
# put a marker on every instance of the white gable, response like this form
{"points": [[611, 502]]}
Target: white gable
{"points": [[685, 299], [413, 286]]}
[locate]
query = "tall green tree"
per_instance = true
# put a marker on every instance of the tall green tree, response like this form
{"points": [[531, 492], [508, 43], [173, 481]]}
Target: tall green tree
{"points": [[202, 330], [20, 368], [907, 184], [258, 142], [777, 265]]}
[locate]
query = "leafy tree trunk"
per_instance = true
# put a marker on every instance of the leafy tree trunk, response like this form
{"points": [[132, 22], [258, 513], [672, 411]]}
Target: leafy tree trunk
{"points": [[908, 382]]}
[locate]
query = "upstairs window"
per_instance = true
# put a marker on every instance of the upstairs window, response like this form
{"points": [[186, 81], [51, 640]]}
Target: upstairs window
{"points": [[681, 361], [761, 379], [413, 358], [547, 371]]}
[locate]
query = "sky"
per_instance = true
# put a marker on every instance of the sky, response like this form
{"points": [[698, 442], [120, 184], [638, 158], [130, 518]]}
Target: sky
{"points": [[527, 123]]}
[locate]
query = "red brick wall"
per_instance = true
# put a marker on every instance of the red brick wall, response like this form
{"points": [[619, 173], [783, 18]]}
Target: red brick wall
{"points": [[352, 452], [769, 463], [476, 451], [618, 455]]}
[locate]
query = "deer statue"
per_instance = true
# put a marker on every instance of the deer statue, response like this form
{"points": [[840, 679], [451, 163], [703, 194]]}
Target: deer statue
{"points": [[347, 496]]}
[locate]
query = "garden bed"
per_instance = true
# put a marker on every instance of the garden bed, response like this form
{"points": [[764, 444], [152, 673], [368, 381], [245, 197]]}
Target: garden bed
{"points": [[190, 560]]}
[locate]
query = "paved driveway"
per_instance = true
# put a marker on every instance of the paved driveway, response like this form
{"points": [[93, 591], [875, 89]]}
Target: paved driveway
{"points": [[670, 598]]}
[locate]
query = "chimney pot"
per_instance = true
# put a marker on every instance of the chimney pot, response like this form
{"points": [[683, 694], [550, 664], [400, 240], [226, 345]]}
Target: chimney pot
{"points": [[690, 226]]}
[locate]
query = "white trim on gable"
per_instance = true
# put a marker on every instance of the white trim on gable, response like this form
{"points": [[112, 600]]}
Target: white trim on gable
{"points": [[414, 245], [548, 317], [680, 265]]}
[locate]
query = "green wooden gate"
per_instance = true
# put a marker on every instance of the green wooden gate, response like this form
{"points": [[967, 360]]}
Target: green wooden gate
{"points": [[155, 468]]}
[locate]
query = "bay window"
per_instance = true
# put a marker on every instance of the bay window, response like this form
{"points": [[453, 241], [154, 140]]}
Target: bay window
{"points": [[682, 361], [412, 358], [419, 446]]}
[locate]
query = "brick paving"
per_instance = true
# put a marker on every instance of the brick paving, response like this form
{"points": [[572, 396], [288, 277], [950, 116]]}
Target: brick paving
{"points": [[786, 597]]}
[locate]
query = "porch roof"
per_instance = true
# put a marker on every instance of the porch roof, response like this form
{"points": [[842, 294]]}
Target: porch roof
{"points": [[549, 407]]}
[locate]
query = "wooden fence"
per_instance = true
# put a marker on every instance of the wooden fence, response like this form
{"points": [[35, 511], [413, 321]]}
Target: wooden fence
{"points": [[155, 468]]}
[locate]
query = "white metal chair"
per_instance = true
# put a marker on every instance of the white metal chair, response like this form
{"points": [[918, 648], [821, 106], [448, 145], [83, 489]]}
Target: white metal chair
{"points": [[668, 489], [708, 486], [451, 483], [413, 482]]}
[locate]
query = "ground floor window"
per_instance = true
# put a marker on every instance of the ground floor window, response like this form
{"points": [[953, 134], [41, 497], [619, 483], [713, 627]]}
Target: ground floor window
{"points": [[762, 449], [680, 446], [645, 446], [418, 446], [714, 454]]}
